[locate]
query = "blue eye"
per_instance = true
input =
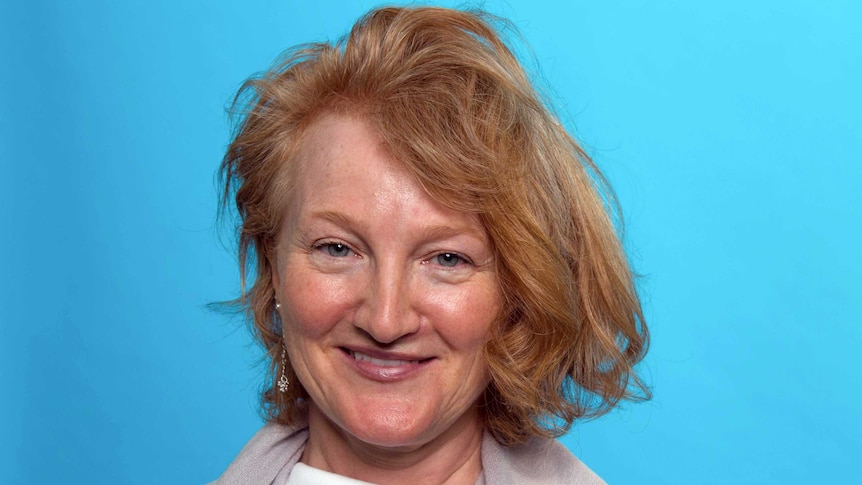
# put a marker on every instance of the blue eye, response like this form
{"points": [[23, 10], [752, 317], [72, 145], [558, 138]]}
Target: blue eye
{"points": [[336, 250], [449, 260]]}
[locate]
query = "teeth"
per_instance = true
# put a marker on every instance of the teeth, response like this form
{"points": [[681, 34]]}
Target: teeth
{"points": [[382, 362]]}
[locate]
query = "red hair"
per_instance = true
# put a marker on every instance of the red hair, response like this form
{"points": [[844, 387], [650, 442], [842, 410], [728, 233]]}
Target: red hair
{"points": [[452, 103]]}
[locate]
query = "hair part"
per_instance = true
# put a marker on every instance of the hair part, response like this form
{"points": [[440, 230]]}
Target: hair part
{"points": [[451, 102]]}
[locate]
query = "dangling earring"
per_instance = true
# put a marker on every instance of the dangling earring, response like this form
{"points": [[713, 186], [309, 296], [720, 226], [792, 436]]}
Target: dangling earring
{"points": [[283, 381]]}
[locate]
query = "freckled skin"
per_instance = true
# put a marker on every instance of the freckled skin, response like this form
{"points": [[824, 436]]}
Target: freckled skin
{"points": [[369, 261]]}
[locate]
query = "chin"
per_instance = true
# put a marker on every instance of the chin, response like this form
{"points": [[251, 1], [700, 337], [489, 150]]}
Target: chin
{"points": [[391, 429]]}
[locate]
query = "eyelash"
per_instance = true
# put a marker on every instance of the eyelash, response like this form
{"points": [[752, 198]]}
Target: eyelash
{"points": [[327, 246], [461, 258]]}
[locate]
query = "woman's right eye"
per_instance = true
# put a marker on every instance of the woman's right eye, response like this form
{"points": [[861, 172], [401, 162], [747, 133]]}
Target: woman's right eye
{"points": [[334, 249]]}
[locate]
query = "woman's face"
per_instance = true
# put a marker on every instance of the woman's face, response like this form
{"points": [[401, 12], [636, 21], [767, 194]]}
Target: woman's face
{"points": [[387, 297]]}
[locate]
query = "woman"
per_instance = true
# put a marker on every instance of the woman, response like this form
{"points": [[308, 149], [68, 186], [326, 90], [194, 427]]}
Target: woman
{"points": [[434, 275]]}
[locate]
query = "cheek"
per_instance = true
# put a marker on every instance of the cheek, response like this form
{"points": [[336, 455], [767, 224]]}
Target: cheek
{"points": [[314, 304], [466, 316]]}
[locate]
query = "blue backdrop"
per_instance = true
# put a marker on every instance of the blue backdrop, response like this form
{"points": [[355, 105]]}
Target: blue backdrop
{"points": [[730, 129]]}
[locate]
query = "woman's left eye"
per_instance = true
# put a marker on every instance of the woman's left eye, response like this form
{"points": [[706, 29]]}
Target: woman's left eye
{"points": [[449, 260]]}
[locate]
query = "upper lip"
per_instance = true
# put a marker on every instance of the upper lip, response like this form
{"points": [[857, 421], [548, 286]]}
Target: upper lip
{"points": [[386, 355]]}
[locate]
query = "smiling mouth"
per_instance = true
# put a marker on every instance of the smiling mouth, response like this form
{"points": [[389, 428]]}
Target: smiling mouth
{"points": [[359, 356], [381, 362]]}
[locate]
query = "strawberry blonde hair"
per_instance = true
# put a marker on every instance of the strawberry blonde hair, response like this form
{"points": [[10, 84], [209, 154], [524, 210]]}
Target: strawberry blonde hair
{"points": [[451, 102]]}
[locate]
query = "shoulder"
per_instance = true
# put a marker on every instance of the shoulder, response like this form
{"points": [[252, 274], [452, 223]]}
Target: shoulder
{"points": [[269, 454], [539, 461]]}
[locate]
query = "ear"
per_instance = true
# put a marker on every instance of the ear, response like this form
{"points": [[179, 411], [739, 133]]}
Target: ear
{"points": [[274, 269]]}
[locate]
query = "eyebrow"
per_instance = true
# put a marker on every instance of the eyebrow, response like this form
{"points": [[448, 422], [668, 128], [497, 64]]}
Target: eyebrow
{"points": [[334, 217], [427, 233]]}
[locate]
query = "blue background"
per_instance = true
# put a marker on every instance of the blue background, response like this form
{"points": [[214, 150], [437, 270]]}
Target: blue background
{"points": [[731, 131]]}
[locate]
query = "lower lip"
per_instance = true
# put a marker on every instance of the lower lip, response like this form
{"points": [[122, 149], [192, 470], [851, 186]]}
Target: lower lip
{"points": [[386, 373]]}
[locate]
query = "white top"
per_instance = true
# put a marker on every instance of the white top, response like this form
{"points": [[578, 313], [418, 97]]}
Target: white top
{"points": [[302, 474]]}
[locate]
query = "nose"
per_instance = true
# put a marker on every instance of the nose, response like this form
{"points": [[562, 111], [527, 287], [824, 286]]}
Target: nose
{"points": [[387, 312]]}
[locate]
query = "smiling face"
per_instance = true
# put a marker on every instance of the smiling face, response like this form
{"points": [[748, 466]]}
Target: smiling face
{"points": [[387, 297]]}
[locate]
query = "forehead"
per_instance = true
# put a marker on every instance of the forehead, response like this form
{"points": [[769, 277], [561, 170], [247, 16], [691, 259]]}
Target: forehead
{"points": [[342, 165], [337, 145]]}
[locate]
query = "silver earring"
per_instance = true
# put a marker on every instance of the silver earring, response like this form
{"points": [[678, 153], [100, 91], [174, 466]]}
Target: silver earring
{"points": [[277, 305], [283, 381]]}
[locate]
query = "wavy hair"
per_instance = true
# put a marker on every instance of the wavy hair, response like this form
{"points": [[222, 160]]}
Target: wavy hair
{"points": [[452, 103]]}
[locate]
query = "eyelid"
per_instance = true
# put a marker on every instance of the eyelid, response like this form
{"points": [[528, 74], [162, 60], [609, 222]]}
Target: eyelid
{"points": [[323, 243], [465, 259]]}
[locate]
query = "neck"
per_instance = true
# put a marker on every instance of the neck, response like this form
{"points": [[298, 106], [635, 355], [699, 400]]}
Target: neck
{"points": [[453, 458]]}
